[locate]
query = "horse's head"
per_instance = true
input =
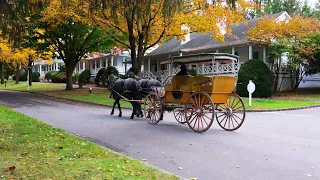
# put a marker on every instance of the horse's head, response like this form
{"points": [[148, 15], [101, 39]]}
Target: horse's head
{"points": [[111, 80]]}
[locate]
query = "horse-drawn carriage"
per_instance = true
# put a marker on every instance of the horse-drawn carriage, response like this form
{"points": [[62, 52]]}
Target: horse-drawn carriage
{"points": [[197, 100]]}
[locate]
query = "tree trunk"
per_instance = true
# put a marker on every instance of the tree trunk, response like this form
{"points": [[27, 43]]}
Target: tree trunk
{"points": [[30, 76], [17, 74], [2, 72], [30, 72], [69, 70]]}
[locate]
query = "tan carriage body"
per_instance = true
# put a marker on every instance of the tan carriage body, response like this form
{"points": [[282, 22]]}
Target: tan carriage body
{"points": [[219, 89], [197, 100]]}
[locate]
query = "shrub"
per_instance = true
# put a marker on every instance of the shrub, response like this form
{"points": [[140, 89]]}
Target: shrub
{"points": [[24, 77], [35, 77], [112, 70], [62, 69], [103, 74], [75, 78], [49, 75], [60, 78], [101, 77], [84, 77], [261, 76]]}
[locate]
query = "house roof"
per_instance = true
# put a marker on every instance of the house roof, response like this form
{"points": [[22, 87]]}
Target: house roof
{"points": [[203, 41]]}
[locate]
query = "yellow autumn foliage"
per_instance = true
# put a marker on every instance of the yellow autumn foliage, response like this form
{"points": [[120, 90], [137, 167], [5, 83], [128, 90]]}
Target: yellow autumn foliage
{"points": [[196, 14], [298, 27]]}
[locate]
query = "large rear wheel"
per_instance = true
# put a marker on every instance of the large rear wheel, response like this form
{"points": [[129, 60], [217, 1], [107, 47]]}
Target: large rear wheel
{"points": [[199, 112], [153, 108], [231, 115]]}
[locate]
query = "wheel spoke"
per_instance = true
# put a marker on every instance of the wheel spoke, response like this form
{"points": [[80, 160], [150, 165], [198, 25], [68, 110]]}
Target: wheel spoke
{"points": [[236, 104], [222, 120], [237, 116], [235, 120], [226, 121], [205, 121], [232, 121]]}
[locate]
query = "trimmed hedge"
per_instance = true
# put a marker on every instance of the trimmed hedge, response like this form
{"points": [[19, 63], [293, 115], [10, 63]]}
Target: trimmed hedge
{"points": [[84, 77], [103, 75], [75, 77], [60, 77], [261, 76], [24, 77], [50, 74]]}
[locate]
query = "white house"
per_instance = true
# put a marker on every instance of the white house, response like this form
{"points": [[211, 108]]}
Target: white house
{"points": [[202, 43]]}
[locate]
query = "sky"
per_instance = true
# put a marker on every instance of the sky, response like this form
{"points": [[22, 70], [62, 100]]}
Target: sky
{"points": [[312, 3]]}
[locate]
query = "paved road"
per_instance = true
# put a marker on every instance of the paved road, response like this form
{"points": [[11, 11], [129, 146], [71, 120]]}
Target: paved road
{"points": [[279, 145]]}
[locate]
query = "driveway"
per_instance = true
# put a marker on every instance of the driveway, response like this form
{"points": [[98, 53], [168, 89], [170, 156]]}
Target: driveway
{"points": [[277, 145]]}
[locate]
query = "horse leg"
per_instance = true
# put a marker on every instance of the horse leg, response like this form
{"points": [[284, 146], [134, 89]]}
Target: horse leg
{"points": [[114, 104], [120, 112], [133, 110]]}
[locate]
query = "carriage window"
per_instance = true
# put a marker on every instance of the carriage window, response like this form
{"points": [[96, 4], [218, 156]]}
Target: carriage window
{"points": [[236, 53]]}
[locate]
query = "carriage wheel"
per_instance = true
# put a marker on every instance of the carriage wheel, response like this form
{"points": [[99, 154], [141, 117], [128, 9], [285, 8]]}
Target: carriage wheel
{"points": [[230, 116], [199, 112], [179, 115], [153, 108]]}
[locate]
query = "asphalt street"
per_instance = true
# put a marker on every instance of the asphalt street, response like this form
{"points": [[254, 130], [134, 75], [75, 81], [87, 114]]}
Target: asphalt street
{"points": [[268, 146]]}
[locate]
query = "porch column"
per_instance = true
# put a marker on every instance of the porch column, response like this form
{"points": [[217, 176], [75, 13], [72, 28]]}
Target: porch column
{"points": [[264, 54], [250, 51], [79, 66], [202, 69], [106, 61], [95, 64], [57, 66], [40, 69], [217, 51], [83, 65], [125, 64], [232, 50], [149, 65], [111, 60], [100, 66], [169, 65]]}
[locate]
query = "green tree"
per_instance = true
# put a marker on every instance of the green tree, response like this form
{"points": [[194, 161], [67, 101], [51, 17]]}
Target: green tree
{"points": [[70, 42]]}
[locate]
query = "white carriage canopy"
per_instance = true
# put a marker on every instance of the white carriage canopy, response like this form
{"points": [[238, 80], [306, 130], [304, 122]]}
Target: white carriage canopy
{"points": [[222, 58]]}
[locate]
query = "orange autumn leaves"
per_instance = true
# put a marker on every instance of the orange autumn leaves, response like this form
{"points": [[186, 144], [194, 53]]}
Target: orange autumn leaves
{"points": [[297, 28], [198, 15]]}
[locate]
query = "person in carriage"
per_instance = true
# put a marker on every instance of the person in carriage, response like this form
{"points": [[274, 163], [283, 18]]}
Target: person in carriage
{"points": [[183, 71]]}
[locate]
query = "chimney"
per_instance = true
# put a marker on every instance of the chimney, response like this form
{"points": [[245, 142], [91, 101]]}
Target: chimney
{"points": [[185, 28]]}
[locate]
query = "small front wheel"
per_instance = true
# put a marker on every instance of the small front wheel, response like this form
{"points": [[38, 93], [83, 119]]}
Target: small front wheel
{"points": [[153, 108], [199, 112], [179, 114], [231, 115]]}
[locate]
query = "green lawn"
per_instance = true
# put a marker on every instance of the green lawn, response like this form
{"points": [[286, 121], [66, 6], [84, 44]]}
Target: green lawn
{"points": [[36, 86], [39, 151], [265, 104], [99, 96], [299, 98]]}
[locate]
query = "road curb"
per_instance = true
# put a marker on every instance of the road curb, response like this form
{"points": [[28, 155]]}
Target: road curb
{"points": [[105, 105], [284, 109], [77, 101]]}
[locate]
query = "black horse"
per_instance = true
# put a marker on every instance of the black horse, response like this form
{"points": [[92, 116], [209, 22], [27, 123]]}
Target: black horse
{"points": [[128, 88]]}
